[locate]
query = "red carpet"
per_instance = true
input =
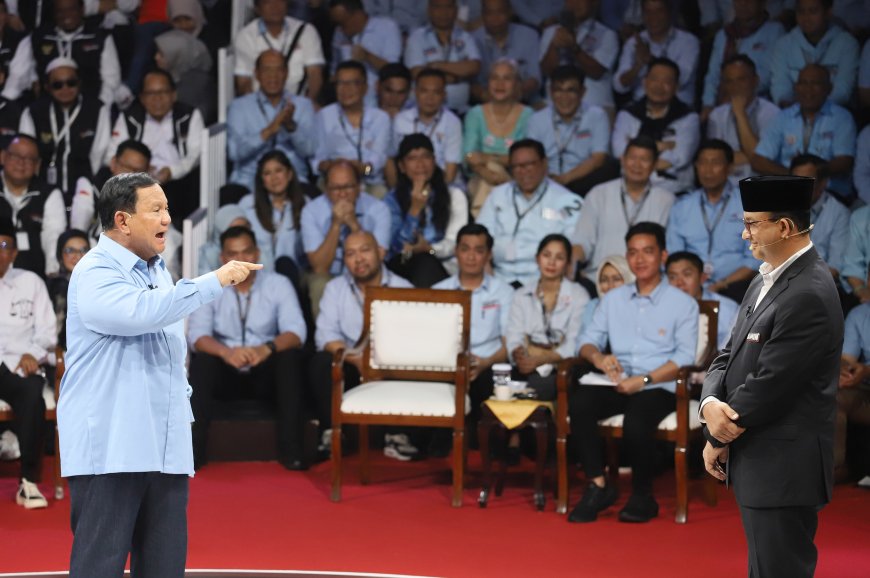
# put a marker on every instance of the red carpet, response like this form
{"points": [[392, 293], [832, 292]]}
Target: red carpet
{"points": [[259, 516]]}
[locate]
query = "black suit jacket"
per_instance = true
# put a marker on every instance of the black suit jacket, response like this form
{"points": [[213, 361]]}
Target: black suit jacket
{"points": [[779, 372]]}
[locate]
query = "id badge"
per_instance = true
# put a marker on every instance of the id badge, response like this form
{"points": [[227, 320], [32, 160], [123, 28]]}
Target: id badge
{"points": [[22, 241], [550, 214], [51, 174], [708, 269], [510, 251]]}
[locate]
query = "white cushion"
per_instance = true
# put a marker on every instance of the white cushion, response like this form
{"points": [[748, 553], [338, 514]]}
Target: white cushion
{"points": [[47, 395], [703, 324], [667, 424], [425, 398], [415, 335]]}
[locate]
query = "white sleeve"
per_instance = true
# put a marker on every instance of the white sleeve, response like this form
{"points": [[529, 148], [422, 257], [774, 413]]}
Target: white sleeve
{"points": [[194, 146], [53, 224], [22, 70], [119, 135], [82, 210], [25, 125], [102, 139], [458, 218], [44, 325], [110, 72]]}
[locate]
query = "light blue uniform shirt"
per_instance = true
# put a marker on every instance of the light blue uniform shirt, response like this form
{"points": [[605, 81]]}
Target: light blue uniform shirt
{"points": [[337, 138], [837, 51], [728, 309], [861, 174], [527, 319], [445, 132], [404, 226], [490, 307], [408, 14], [534, 12], [722, 125], [518, 224], [570, 143], [423, 47], [757, 46], [124, 403], [646, 331], [680, 46], [521, 45], [341, 309], [588, 312], [716, 240], [381, 37], [833, 135], [856, 341], [284, 242], [372, 214], [270, 308], [830, 234], [248, 116], [856, 262]]}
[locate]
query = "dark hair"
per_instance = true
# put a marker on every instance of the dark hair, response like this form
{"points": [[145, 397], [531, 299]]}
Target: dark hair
{"points": [[742, 59], [349, 5], [440, 193], [236, 232], [801, 219], [666, 62], [528, 143], [119, 194], [135, 146], [22, 136], [352, 65], [665, 2], [822, 171], [647, 228], [555, 238], [643, 141], [262, 203], [567, 72], [716, 144], [159, 72], [66, 236], [685, 256], [475, 229], [432, 73], [394, 70]]}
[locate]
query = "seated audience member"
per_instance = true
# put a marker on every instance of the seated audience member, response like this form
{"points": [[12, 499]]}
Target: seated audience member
{"points": [[659, 39], [709, 223], [373, 41], [856, 261], [815, 125], [250, 349], [268, 119], [36, 210], [340, 324], [685, 271], [612, 273], [535, 13], [443, 45], [611, 208], [584, 42], [71, 247], [408, 14], [521, 212], [10, 37], [853, 397], [575, 135], [27, 340], [499, 39], [297, 41], [861, 174], [69, 35], [489, 130], [430, 117], [829, 217], [651, 329], [10, 114], [660, 115], [394, 88], [73, 129], [327, 221], [173, 133], [187, 60], [426, 216], [815, 40], [544, 321], [490, 306], [744, 116], [349, 130], [226, 217], [752, 34]]}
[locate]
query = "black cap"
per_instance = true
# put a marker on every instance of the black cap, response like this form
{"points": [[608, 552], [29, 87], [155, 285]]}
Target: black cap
{"points": [[774, 194], [7, 229], [415, 141]]}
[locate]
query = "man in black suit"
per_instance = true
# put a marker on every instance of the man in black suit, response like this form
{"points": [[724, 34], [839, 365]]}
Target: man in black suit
{"points": [[769, 399]]}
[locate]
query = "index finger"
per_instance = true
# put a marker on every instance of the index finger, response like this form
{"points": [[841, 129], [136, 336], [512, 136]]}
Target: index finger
{"points": [[250, 266]]}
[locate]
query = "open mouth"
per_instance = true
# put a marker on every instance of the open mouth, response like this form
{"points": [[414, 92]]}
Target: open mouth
{"points": [[161, 236]]}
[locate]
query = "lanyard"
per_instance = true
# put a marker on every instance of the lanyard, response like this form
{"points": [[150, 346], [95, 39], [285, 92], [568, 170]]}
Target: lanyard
{"points": [[562, 147], [243, 316], [808, 133], [432, 126], [554, 337], [278, 225], [638, 208], [64, 47], [446, 51], [63, 135], [723, 202], [284, 45], [522, 215], [349, 136], [268, 120], [667, 44]]}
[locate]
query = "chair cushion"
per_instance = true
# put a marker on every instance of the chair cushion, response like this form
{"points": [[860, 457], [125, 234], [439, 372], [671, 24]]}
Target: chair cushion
{"points": [[701, 350], [667, 424], [415, 335], [423, 398], [47, 395]]}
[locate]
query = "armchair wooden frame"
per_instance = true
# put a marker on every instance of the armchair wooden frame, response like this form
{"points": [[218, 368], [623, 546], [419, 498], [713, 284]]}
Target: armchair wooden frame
{"points": [[459, 377]]}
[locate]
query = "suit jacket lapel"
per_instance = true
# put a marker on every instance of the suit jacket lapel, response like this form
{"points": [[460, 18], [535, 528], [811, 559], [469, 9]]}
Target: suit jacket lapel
{"points": [[745, 321]]}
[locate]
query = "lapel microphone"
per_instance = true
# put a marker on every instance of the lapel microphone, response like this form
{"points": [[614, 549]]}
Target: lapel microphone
{"points": [[748, 311], [804, 232]]}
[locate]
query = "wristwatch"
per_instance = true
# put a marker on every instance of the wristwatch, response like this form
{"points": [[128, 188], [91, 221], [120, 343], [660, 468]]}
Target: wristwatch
{"points": [[367, 169], [647, 379], [271, 345]]}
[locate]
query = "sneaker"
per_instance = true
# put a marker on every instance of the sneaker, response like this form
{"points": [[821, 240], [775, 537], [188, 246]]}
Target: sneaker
{"points": [[864, 482], [29, 496], [594, 500], [639, 509], [398, 447]]}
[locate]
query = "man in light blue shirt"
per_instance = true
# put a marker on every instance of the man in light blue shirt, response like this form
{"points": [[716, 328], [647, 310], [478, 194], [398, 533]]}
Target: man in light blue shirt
{"points": [[123, 414], [856, 262], [537, 13], [853, 396], [652, 330], [268, 119], [520, 213], [247, 344]]}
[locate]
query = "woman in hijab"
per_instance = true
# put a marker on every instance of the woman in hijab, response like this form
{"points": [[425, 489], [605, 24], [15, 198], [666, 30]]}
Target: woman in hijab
{"points": [[188, 61], [612, 273], [71, 247]]}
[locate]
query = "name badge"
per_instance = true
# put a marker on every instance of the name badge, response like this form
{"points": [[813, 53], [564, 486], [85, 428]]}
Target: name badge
{"points": [[22, 241], [753, 337], [550, 214]]}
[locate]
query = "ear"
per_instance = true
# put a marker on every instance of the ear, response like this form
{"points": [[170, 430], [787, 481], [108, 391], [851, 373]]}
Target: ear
{"points": [[382, 253], [120, 220]]}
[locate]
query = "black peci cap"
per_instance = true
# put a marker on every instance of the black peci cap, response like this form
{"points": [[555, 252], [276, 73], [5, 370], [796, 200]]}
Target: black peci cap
{"points": [[776, 194]]}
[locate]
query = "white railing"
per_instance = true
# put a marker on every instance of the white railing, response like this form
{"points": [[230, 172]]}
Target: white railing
{"points": [[195, 230], [243, 12], [226, 81], [212, 167]]}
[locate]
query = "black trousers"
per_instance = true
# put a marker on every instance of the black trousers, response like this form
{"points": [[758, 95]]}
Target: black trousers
{"points": [[780, 541], [320, 385], [140, 514], [24, 394], [279, 380], [643, 411], [422, 269]]}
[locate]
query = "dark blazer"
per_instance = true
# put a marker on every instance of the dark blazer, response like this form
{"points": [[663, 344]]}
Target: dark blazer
{"points": [[779, 372]]}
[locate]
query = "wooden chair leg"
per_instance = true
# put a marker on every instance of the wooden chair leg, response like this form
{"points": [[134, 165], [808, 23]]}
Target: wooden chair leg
{"points": [[542, 431], [562, 474], [336, 462], [612, 461], [682, 475], [458, 463], [363, 454], [58, 480], [484, 427]]}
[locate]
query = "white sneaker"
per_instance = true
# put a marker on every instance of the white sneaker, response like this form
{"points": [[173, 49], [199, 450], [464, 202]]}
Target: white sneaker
{"points": [[9, 448], [29, 496], [864, 482], [399, 447]]}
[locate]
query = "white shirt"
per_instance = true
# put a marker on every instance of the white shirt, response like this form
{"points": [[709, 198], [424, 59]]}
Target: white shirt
{"points": [[157, 135], [53, 222], [27, 321]]}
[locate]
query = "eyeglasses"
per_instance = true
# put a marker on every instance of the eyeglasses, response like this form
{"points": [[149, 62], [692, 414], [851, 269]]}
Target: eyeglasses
{"points": [[74, 251], [525, 165], [341, 188], [748, 224], [159, 92], [69, 83], [21, 158], [7, 246]]}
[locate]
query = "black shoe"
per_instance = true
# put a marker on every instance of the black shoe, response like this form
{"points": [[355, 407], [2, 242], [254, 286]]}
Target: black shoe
{"points": [[594, 500], [294, 465], [639, 509]]}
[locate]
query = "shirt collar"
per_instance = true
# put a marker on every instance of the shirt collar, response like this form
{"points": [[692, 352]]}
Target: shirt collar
{"points": [[127, 259], [261, 26], [557, 118], [725, 198], [539, 191], [656, 293], [9, 278], [769, 275], [823, 198]]}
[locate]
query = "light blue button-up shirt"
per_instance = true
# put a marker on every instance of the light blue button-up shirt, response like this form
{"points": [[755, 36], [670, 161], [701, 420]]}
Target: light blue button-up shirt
{"points": [[830, 234], [408, 14], [722, 125], [856, 341], [716, 240], [341, 309], [381, 37], [372, 214], [445, 132], [856, 261], [490, 307], [533, 12], [248, 115], [570, 143], [284, 242], [518, 224], [521, 45], [527, 318], [405, 226], [124, 403], [646, 331], [369, 143], [727, 316], [423, 47]]}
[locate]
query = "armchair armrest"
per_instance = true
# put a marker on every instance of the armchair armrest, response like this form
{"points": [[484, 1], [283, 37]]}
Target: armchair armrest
{"points": [[463, 371], [564, 372], [337, 382]]}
